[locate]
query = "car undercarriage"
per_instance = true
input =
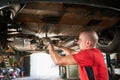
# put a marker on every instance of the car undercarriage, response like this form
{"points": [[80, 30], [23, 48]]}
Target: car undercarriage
{"points": [[26, 26], [31, 22]]}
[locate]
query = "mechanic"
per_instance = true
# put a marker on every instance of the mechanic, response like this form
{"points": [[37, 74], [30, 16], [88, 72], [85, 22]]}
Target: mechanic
{"points": [[89, 59]]}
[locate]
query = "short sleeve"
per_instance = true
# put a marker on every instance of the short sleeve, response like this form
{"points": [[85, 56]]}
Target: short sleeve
{"points": [[84, 58]]}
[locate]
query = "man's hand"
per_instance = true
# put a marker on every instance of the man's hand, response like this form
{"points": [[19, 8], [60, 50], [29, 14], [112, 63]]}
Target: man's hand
{"points": [[46, 41], [50, 46], [59, 44]]}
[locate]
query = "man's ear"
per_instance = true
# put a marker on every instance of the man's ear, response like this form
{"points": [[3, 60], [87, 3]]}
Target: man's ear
{"points": [[88, 43]]}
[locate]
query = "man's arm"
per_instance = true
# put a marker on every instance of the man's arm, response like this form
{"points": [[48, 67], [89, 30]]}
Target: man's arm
{"points": [[67, 50], [58, 59]]}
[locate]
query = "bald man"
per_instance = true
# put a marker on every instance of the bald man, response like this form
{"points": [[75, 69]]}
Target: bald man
{"points": [[89, 59]]}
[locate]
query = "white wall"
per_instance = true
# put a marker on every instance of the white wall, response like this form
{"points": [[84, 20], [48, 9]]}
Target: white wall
{"points": [[42, 67]]}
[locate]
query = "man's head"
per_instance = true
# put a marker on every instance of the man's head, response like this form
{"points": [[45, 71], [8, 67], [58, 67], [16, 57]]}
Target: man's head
{"points": [[87, 39]]}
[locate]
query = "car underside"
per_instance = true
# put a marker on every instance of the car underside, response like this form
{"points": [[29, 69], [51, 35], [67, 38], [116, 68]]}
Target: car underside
{"points": [[25, 25]]}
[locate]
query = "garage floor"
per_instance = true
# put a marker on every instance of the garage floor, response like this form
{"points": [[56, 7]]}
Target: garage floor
{"points": [[29, 78]]}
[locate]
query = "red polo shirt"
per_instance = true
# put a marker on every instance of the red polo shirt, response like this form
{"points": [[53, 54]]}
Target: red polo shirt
{"points": [[90, 62]]}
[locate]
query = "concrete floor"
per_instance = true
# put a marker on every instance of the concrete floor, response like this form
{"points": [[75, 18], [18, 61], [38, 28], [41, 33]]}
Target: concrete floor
{"points": [[29, 78]]}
